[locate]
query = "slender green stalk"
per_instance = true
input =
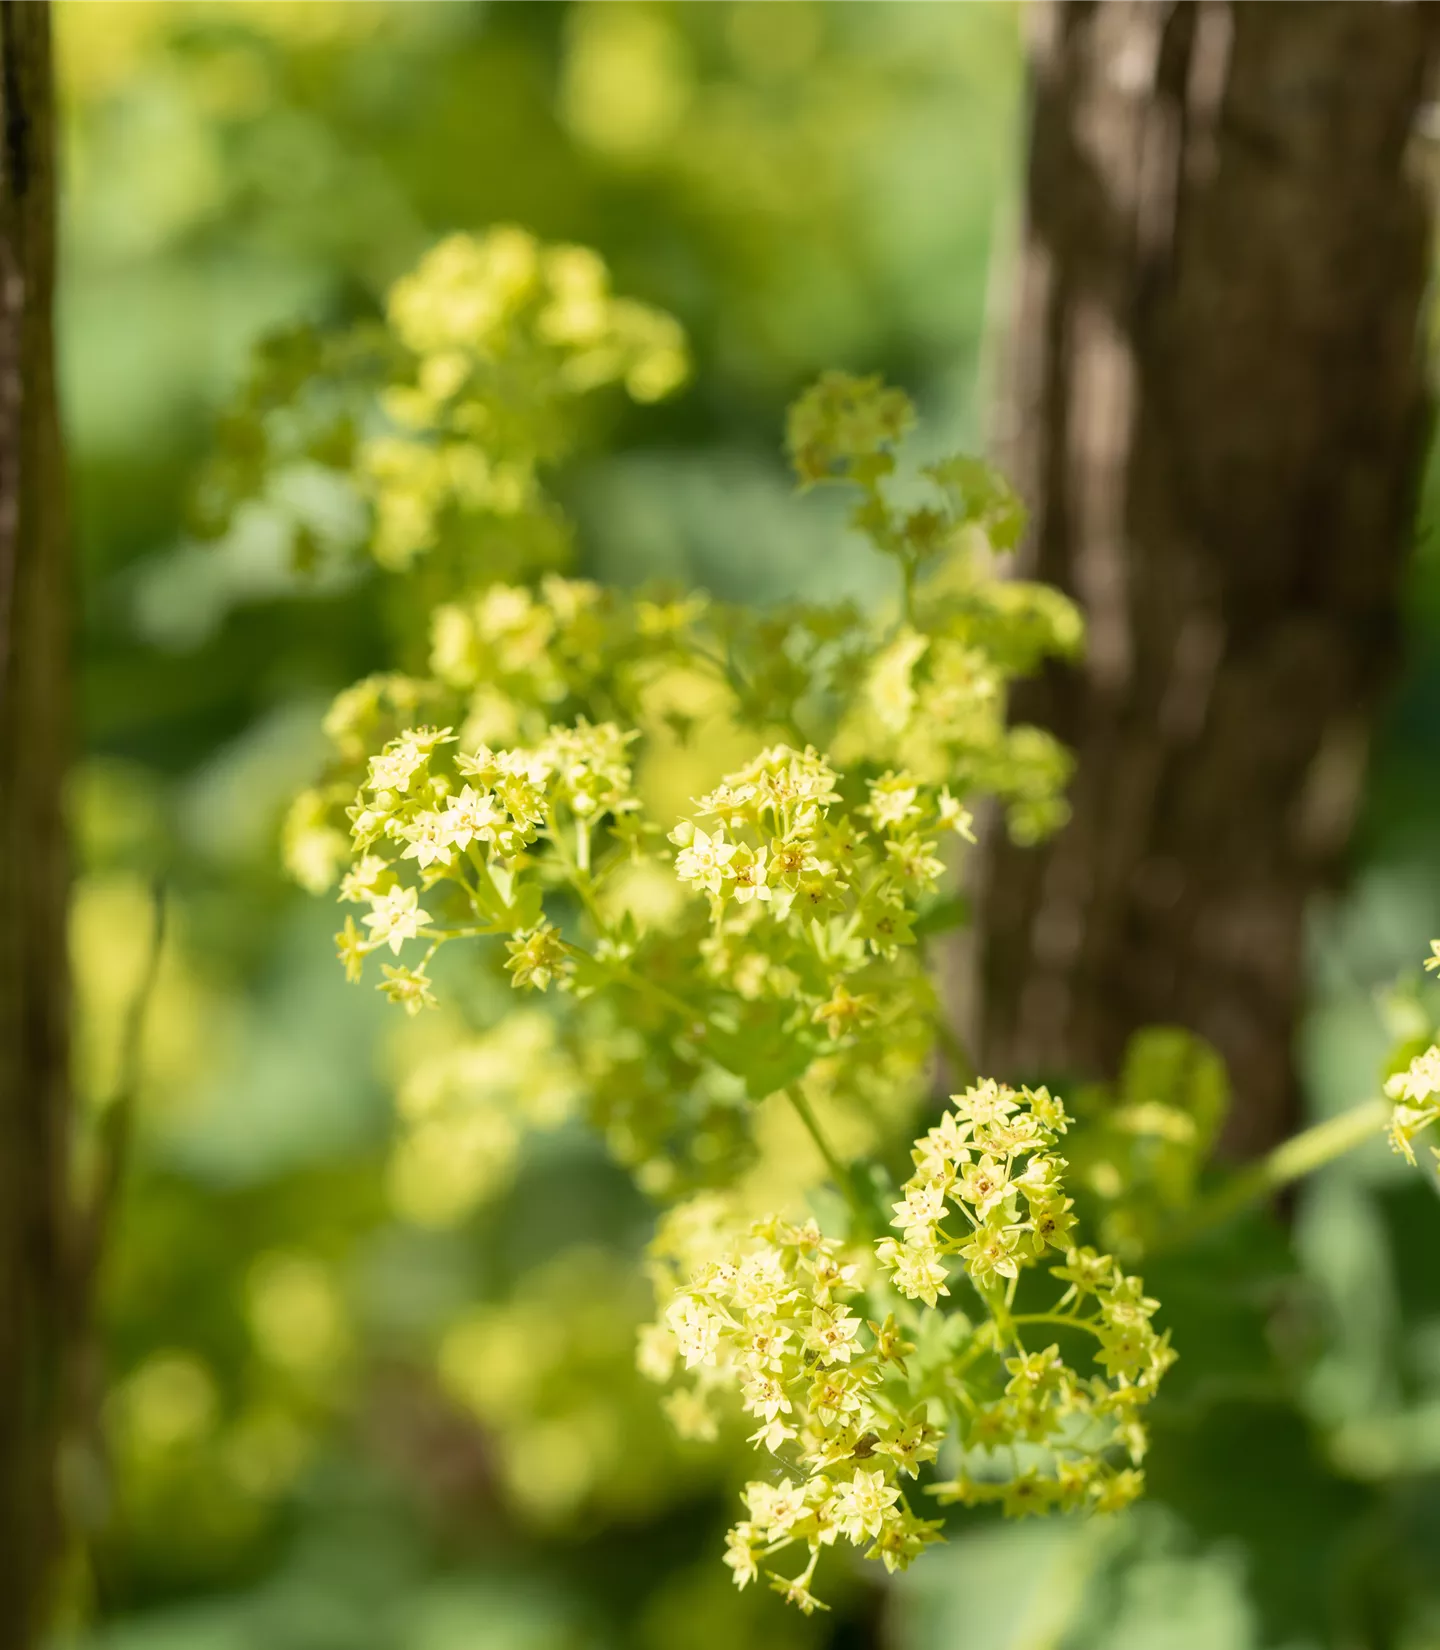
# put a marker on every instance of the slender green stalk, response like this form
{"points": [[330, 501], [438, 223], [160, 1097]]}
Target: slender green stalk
{"points": [[999, 1309], [1062, 1318], [838, 1172], [657, 993], [907, 589], [576, 868], [485, 889]]}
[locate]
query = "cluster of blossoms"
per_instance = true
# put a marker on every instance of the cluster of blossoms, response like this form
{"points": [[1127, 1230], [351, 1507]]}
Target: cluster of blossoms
{"points": [[991, 1159], [771, 953], [769, 958], [498, 333], [815, 871], [465, 820], [814, 882], [509, 647], [774, 1319], [842, 1393], [1416, 1093], [931, 696], [808, 904], [779, 840], [1416, 1090], [436, 426]]}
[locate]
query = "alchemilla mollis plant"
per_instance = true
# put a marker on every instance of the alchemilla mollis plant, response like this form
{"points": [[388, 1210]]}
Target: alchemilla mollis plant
{"points": [[968, 1329]]}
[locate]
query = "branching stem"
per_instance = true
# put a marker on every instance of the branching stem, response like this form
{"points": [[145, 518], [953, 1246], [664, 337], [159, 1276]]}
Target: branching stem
{"points": [[1056, 1317]]}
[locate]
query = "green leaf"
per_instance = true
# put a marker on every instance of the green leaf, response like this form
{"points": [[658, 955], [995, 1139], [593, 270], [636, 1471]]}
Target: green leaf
{"points": [[981, 497], [761, 1050], [1169, 1067]]}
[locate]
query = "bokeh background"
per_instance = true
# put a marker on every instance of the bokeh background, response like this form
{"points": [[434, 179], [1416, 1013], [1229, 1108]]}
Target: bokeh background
{"points": [[344, 1409]]}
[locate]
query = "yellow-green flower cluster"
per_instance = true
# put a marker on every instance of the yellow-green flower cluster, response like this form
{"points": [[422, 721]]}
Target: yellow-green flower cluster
{"points": [[1034, 1393], [813, 882], [460, 823], [499, 333], [775, 1319], [810, 906], [933, 703], [1045, 1438], [444, 419], [1416, 1090], [512, 658], [316, 839], [508, 648], [1416, 1093], [508, 662], [847, 429], [508, 795], [794, 967], [931, 695], [812, 866], [779, 841]]}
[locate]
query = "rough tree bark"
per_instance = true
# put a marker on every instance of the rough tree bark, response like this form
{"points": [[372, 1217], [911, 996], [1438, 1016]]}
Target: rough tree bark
{"points": [[1216, 404], [35, 1274]]}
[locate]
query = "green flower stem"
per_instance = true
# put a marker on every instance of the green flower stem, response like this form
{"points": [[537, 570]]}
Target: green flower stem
{"points": [[576, 872], [1290, 1161], [637, 982], [1056, 1317], [581, 884], [908, 570], [838, 1172], [999, 1309], [485, 890], [657, 993]]}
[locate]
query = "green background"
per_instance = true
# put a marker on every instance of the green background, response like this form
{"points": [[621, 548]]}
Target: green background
{"points": [[276, 1462]]}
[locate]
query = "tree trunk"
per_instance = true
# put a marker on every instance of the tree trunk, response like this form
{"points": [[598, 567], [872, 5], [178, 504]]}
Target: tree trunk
{"points": [[1216, 405], [36, 1282]]}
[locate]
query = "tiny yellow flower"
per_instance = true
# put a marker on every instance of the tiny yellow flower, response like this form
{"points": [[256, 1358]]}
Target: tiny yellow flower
{"points": [[396, 917], [352, 949], [860, 1505], [409, 987]]}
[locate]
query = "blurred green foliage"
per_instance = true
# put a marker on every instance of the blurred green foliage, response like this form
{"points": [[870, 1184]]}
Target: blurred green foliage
{"points": [[315, 1424]]}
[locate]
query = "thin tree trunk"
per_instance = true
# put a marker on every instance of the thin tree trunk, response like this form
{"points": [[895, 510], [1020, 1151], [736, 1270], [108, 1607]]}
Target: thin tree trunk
{"points": [[1217, 406], [35, 1274]]}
